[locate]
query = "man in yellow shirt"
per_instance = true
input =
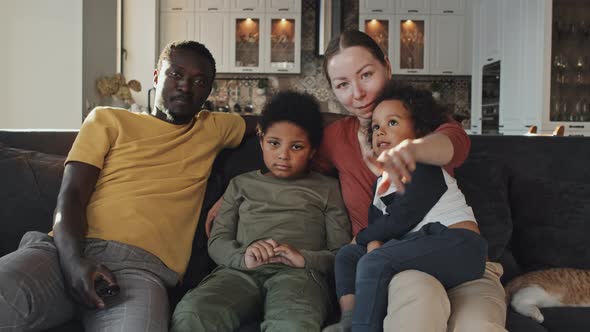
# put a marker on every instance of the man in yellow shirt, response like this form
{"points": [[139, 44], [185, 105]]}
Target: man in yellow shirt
{"points": [[127, 211]]}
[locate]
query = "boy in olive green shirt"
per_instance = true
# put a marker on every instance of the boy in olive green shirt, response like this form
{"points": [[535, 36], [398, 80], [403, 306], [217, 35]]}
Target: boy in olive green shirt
{"points": [[276, 234]]}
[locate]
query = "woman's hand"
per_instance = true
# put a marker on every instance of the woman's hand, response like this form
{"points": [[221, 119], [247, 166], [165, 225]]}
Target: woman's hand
{"points": [[396, 165], [260, 253], [373, 245], [211, 216], [285, 254]]}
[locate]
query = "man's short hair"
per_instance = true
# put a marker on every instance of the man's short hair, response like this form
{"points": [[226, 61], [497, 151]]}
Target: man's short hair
{"points": [[189, 45]]}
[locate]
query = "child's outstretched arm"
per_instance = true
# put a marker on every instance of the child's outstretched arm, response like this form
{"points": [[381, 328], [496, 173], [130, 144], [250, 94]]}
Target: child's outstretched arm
{"points": [[408, 209], [224, 249], [337, 232]]}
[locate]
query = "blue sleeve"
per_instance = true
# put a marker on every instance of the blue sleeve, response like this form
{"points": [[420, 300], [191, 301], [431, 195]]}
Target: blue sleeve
{"points": [[408, 209]]}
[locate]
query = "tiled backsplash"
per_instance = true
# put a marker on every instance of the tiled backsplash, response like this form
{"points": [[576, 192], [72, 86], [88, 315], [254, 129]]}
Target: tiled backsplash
{"points": [[454, 91]]}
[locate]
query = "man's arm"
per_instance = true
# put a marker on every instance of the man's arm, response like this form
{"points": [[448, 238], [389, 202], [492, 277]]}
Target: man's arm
{"points": [[70, 227]]}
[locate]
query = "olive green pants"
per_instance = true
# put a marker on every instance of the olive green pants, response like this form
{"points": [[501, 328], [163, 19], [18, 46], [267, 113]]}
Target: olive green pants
{"points": [[283, 298]]}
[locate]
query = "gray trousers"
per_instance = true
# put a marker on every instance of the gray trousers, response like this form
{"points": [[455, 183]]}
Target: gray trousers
{"points": [[33, 297]]}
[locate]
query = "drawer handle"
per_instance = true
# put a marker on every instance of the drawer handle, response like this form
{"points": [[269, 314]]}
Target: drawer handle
{"points": [[412, 11], [212, 9], [447, 72], [283, 9], [283, 70], [248, 9], [528, 126], [176, 8], [246, 69], [474, 126], [500, 126], [490, 59], [580, 127], [412, 71], [377, 10], [448, 11]]}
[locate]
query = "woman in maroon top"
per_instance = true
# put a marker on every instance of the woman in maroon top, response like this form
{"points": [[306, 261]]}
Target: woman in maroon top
{"points": [[357, 71]]}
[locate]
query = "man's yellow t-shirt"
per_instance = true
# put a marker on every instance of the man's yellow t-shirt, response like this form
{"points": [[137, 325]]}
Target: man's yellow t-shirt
{"points": [[153, 177]]}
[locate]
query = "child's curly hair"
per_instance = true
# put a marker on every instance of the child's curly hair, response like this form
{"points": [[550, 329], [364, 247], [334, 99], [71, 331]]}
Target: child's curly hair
{"points": [[427, 114], [301, 109]]}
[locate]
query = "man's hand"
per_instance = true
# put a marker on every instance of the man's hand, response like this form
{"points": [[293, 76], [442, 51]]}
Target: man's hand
{"points": [[373, 245], [260, 253], [80, 276], [211, 216], [353, 241], [285, 254]]}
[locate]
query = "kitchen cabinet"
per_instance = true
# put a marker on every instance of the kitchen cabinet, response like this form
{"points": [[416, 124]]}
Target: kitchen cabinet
{"points": [[447, 42], [447, 7], [490, 32], [211, 29], [544, 78], [176, 26], [246, 47], [243, 36], [377, 6], [413, 7], [177, 5], [283, 6], [381, 28], [411, 44], [436, 44], [253, 6], [281, 43], [212, 5]]}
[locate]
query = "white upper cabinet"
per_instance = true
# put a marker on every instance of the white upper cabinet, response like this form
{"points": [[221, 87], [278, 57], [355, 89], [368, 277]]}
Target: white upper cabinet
{"points": [[212, 5], [491, 30], [377, 6], [177, 5], [176, 26], [413, 7], [246, 49], [256, 6], [411, 44], [448, 7], [283, 6], [282, 46], [447, 45], [212, 30]]}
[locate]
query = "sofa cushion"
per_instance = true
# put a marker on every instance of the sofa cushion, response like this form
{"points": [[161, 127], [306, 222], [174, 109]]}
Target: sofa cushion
{"points": [[484, 181], [30, 183], [551, 222]]}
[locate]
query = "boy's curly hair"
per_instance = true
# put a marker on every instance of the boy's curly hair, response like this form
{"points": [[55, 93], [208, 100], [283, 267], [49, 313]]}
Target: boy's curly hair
{"points": [[427, 114], [301, 109]]}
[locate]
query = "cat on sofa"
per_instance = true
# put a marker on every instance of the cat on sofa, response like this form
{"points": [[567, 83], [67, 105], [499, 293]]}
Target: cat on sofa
{"points": [[558, 287]]}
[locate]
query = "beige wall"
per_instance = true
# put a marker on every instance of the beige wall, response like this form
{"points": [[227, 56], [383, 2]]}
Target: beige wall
{"points": [[48, 73]]}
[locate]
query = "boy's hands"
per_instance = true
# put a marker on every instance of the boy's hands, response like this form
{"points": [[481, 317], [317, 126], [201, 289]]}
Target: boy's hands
{"points": [[270, 252], [285, 254], [259, 253]]}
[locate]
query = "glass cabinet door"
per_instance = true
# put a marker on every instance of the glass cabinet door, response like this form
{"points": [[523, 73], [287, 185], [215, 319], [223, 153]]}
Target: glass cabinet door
{"points": [[283, 45], [379, 28], [570, 57], [411, 46], [246, 47]]}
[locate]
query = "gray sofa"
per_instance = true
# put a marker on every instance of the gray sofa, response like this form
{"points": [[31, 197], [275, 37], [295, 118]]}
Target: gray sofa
{"points": [[531, 196]]}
